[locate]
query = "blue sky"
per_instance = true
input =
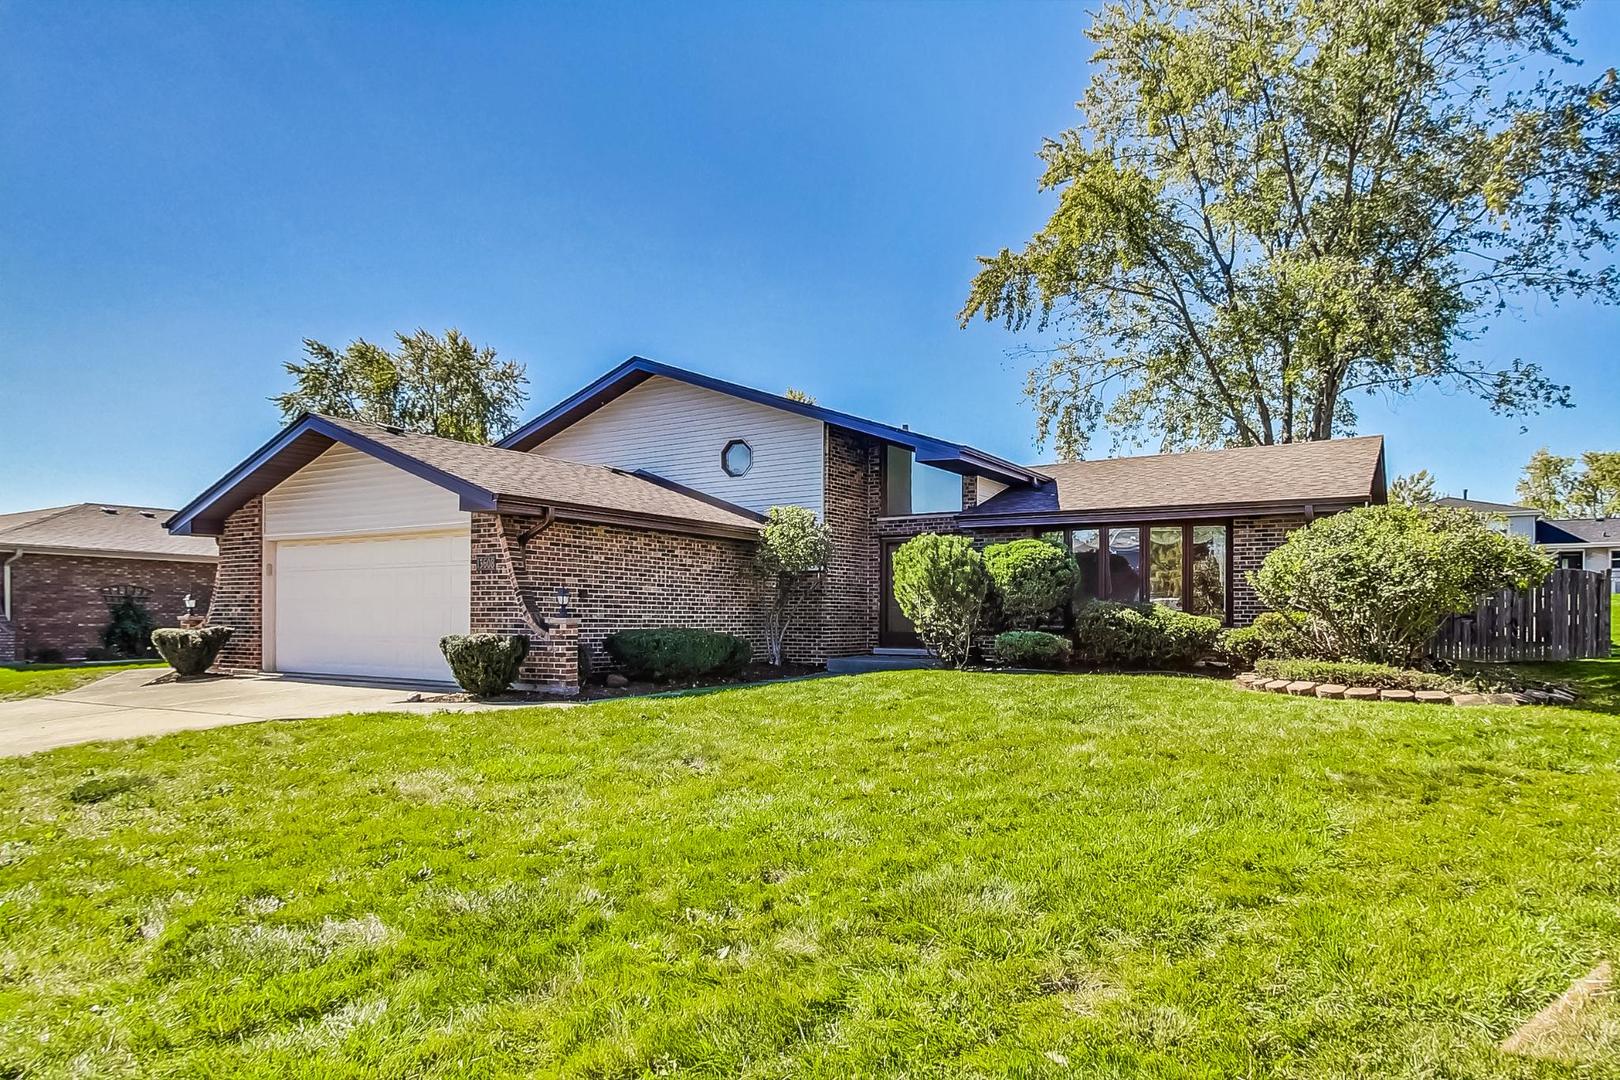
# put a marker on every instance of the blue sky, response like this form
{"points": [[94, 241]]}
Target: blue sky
{"points": [[778, 194]]}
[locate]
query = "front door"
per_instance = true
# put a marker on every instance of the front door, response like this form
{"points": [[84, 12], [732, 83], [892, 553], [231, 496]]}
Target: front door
{"points": [[894, 629]]}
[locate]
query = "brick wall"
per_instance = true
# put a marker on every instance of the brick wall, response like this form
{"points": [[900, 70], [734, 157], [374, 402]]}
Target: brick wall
{"points": [[618, 579], [56, 600], [1252, 540], [8, 642], [847, 616], [239, 587]]}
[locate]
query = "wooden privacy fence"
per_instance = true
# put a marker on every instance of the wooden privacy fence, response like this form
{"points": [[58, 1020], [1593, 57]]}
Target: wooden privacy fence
{"points": [[1564, 618]]}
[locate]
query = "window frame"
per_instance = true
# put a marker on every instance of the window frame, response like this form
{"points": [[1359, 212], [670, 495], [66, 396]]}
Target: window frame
{"points": [[883, 487], [1105, 585], [725, 450]]}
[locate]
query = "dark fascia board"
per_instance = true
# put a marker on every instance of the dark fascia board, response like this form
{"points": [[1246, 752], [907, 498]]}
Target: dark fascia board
{"points": [[1129, 515], [289, 451], [595, 515], [636, 370]]}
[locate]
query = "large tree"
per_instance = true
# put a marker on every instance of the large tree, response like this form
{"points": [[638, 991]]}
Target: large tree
{"points": [[1558, 486], [1270, 207], [444, 386]]}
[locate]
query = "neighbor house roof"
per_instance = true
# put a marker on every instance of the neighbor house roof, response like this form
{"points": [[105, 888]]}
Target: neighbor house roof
{"points": [[1254, 479], [1483, 507], [1570, 531], [941, 453], [485, 477], [107, 529]]}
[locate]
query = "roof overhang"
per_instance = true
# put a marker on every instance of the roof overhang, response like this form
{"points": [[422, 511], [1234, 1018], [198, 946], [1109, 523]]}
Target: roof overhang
{"points": [[295, 446], [633, 372], [1132, 515]]}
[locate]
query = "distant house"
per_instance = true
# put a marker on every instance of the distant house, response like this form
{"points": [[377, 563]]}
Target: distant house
{"points": [[348, 548], [1576, 543], [65, 567]]}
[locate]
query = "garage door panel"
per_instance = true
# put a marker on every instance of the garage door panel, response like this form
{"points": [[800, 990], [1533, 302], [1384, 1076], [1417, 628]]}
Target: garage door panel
{"points": [[374, 607]]}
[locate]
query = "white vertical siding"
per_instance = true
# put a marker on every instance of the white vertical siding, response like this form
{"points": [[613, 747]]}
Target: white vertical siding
{"points": [[987, 489], [347, 493], [677, 430], [1598, 559]]}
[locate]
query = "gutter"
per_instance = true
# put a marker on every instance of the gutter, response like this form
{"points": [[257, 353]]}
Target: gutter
{"points": [[5, 573]]}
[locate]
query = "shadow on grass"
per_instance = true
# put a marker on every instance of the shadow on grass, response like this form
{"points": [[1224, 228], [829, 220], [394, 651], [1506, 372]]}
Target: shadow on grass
{"points": [[1596, 682]]}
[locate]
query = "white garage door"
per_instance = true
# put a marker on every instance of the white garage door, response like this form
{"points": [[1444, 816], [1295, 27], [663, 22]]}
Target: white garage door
{"points": [[375, 607]]}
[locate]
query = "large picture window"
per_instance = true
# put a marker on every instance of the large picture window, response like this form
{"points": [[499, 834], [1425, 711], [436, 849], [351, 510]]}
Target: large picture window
{"points": [[1182, 565], [910, 488]]}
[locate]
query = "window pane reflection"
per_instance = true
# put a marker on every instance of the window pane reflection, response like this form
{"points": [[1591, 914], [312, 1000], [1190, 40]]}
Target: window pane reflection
{"points": [[1209, 570], [1087, 547], [1125, 564], [1164, 565]]}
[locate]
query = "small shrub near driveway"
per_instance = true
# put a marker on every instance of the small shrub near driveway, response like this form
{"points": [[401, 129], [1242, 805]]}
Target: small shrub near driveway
{"points": [[484, 664], [1031, 579], [1376, 582], [1347, 673], [1032, 649], [1272, 636], [677, 653], [940, 584], [1142, 635], [190, 652]]}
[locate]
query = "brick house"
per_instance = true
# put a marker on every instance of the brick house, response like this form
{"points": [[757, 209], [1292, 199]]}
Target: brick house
{"points": [[347, 548], [62, 569]]}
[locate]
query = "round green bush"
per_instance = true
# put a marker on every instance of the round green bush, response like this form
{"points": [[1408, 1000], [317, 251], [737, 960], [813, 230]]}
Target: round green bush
{"points": [[190, 652], [940, 584], [484, 664], [677, 653], [1031, 579], [1272, 636], [1142, 635], [1032, 649]]}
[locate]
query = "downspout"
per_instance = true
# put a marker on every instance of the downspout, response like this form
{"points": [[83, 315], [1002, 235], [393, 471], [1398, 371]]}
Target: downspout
{"points": [[5, 572]]}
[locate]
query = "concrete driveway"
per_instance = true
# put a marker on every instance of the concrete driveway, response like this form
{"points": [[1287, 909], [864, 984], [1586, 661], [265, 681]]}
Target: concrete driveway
{"points": [[132, 704]]}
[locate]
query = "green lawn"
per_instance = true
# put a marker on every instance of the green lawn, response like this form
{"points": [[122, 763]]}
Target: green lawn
{"points": [[34, 680], [905, 874]]}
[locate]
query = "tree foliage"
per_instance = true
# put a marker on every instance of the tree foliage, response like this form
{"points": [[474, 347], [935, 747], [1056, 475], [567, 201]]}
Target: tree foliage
{"points": [[444, 386], [940, 584], [1031, 579], [1375, 583], [792, 552], [1412, 489], [793, 393], [1271, 207], [1560, 486]]}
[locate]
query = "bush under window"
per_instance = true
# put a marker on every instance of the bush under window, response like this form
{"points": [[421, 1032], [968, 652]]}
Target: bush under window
{"points": [[1031, 579], [1273, 635], [129, 628], [677, 653], [1142, 635], [190, 652], [484, 664], [1032, 649]]}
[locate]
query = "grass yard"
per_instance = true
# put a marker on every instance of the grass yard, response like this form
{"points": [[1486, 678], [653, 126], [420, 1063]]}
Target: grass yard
{"points": [[903, 874], [35, 680]]}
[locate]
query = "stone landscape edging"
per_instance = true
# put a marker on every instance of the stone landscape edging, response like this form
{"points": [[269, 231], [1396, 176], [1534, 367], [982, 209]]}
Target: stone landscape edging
{"points": [[1336, 692]]}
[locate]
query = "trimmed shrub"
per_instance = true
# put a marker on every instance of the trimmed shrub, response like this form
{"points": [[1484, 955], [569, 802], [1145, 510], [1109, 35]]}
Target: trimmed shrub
{"points": [[47, 656], [484, 664], [1032, 648], [1031, 579], [940, 584], [677, 653], [1377, 581], [190, 652], [129, 628], [1347, 673], [1142, 635], [1273, 635]]}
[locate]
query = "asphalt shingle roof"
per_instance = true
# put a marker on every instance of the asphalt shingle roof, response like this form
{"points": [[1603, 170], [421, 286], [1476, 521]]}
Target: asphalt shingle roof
{"points": [[1578, 531], [1484, 507], [1336, 470], [102, 527], [519, 475]]}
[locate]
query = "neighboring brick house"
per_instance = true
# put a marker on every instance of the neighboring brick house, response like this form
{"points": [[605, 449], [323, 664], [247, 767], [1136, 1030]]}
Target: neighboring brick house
{"points": [[349, 548], [65, 567]]}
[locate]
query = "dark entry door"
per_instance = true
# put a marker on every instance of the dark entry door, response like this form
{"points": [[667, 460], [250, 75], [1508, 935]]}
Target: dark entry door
{"points": [[894, 629]]}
